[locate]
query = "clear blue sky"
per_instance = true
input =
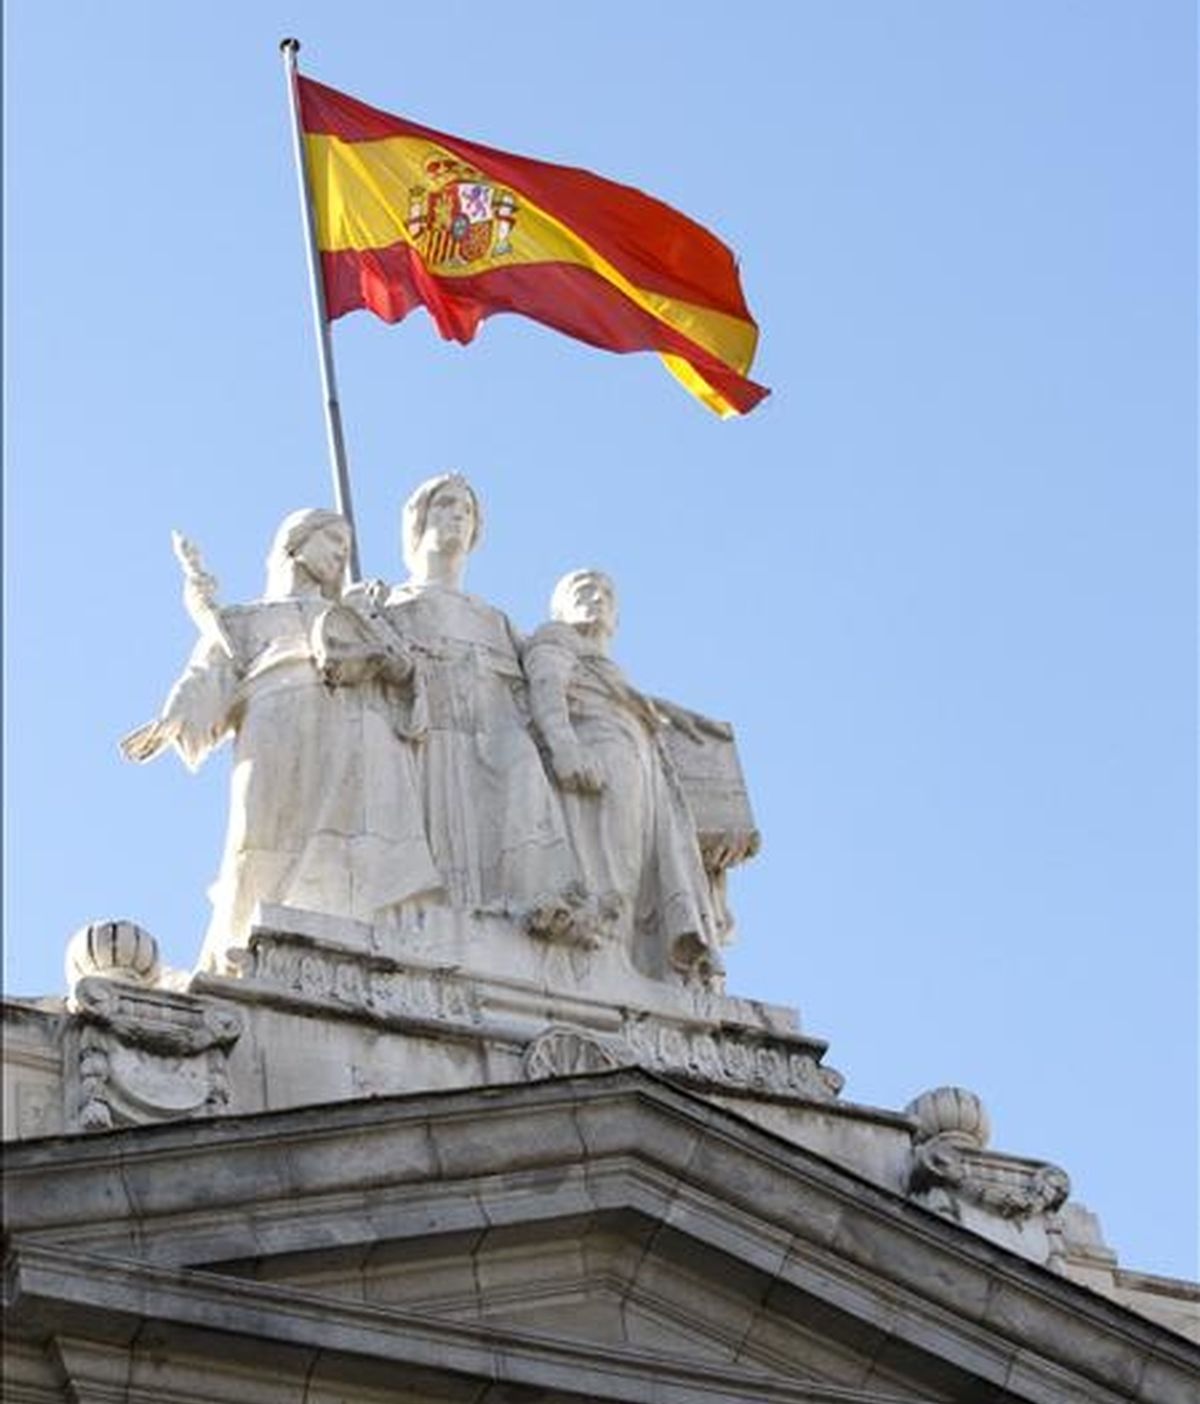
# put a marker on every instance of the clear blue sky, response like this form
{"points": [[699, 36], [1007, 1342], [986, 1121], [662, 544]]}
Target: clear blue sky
{"points": [[943, 581]]}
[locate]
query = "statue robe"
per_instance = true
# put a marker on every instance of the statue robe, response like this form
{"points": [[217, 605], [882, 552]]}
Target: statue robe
{"points": [[324, 813], [636, 840], [494, 820]]}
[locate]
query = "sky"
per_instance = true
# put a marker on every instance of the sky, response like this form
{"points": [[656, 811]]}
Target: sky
{"points": [[943, 581]]}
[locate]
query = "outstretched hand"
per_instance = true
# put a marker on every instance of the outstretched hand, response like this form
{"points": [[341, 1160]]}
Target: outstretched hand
{"points": [[147, 741]]}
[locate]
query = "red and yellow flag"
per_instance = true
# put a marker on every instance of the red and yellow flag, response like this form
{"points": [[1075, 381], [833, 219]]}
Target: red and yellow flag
{"points": [[409, 217]]}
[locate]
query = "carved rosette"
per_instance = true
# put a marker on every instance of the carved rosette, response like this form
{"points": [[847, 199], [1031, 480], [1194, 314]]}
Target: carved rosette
{"points": [[146, 1055], [952, 1167], [563, 1051]]}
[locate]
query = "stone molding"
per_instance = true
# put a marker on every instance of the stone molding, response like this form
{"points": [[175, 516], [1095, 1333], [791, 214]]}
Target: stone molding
{"points": [[97, 1309], [349, 1178], [745, 1059], [301, 972], [316, 975]]}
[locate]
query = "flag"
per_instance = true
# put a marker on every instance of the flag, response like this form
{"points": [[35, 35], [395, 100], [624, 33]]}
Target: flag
{"points": [[408, 217]]}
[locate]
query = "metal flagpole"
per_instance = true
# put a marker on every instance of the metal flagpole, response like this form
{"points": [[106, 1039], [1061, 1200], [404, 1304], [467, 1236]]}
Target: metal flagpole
{"points": [[333, 410]]}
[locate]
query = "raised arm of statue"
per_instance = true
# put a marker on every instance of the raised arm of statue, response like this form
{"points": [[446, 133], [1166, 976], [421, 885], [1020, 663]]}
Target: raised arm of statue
{"points": [[550, 658], [197, 712], [200, 593], [324, 810]]}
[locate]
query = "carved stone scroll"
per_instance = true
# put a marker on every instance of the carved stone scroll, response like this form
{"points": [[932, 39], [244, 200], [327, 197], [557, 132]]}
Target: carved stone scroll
{"points": [[952, 1167], [1005, 1185]]}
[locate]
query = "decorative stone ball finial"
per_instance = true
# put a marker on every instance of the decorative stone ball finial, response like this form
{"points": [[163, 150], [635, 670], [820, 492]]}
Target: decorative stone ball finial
{"points": [[952, 1112], [117, 950]]}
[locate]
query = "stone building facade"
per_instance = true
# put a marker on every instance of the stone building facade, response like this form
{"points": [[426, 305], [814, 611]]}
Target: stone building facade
{"points": [[455, 1104], [342, 1176]]}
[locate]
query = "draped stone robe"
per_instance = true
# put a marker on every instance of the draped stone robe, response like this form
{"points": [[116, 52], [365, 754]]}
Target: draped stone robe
{"points": [[635, 840], [494, 820], [324, 812]]}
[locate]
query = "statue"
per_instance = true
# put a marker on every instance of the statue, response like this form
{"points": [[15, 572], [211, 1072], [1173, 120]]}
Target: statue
{"points": [[632, 829], [402, 758], [324, 812], [494, 820]]}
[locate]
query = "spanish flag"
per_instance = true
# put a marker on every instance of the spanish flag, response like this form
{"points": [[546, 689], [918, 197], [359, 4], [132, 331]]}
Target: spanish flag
{"points": [[407, 217]]}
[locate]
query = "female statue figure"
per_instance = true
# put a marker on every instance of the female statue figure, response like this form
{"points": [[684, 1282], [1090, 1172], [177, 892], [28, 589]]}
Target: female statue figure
{"points": [[493, 819], [629, 820], [324, 813]]}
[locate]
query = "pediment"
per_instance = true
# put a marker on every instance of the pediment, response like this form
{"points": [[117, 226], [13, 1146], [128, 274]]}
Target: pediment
{"points": [[79, 1329], [614, 1279], [612, 1221]]}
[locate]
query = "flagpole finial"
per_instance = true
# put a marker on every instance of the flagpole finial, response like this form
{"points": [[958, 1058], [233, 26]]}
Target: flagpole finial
{"points": [[290, 44]]}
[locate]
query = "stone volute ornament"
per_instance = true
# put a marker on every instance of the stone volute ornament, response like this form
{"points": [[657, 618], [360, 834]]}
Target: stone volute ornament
{"points": [[952, 1167]]}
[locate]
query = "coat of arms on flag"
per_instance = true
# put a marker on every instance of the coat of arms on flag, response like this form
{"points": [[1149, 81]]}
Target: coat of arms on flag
{"points": [[406, 217], [459, 218]]}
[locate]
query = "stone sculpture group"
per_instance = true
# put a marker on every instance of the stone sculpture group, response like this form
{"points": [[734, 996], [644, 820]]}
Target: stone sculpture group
{"points": [[459, 860], [403, 749]]}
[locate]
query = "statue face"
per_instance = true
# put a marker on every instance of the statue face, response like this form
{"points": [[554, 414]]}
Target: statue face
{"points": [[325, 553], [450, 520], [590, 605]]}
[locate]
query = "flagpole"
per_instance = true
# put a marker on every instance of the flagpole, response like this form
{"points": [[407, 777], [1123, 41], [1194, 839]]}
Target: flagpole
{"points": [[333, 410]]}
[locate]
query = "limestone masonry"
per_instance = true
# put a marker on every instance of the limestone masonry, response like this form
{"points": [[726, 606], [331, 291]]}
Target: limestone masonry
{"points": [[455, 1104]]}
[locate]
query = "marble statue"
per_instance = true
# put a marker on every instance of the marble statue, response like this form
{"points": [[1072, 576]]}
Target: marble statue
{"points": [[632, 829], [325, 813], [404, 760], [494, 821]]}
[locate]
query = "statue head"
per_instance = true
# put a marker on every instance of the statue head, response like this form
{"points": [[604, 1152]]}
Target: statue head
{"points": [[442, 515], [311, 546], [587, 600]]}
